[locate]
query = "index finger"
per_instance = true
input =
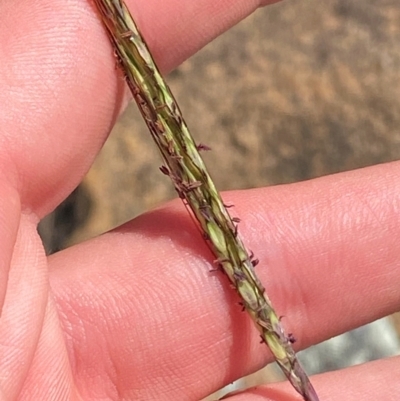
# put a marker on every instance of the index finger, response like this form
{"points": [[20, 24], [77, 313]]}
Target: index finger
{"points": [[60, 91]]}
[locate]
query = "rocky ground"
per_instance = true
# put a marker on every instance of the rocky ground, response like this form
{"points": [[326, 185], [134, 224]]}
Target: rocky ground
{"points": [[298, 90]]}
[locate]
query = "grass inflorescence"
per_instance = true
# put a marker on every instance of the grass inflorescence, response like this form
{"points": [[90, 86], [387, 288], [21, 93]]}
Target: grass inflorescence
{"points": [[186, 169]]}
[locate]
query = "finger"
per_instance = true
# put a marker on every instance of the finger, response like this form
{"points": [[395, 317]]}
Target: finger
{"points": [[186, 26], [61, 92], [330, 259], [368, 382], [23, 309]]}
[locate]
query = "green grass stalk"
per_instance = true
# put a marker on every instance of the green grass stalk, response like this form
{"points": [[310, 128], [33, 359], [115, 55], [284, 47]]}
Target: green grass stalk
{"points": [[195, 187]]}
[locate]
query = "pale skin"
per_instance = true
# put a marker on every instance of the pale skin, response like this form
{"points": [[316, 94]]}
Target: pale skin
{"points": [[82, 324]]}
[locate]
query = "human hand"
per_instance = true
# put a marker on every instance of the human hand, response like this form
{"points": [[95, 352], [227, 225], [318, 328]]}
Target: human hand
{"points": [[135, 314]]}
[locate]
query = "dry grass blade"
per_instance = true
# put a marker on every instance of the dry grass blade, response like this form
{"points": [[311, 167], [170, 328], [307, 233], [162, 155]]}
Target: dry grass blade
{"points": [[195, 187]]}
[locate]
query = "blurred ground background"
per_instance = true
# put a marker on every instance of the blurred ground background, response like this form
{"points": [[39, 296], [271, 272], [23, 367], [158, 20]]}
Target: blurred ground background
{"points": [[298, 90]]}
